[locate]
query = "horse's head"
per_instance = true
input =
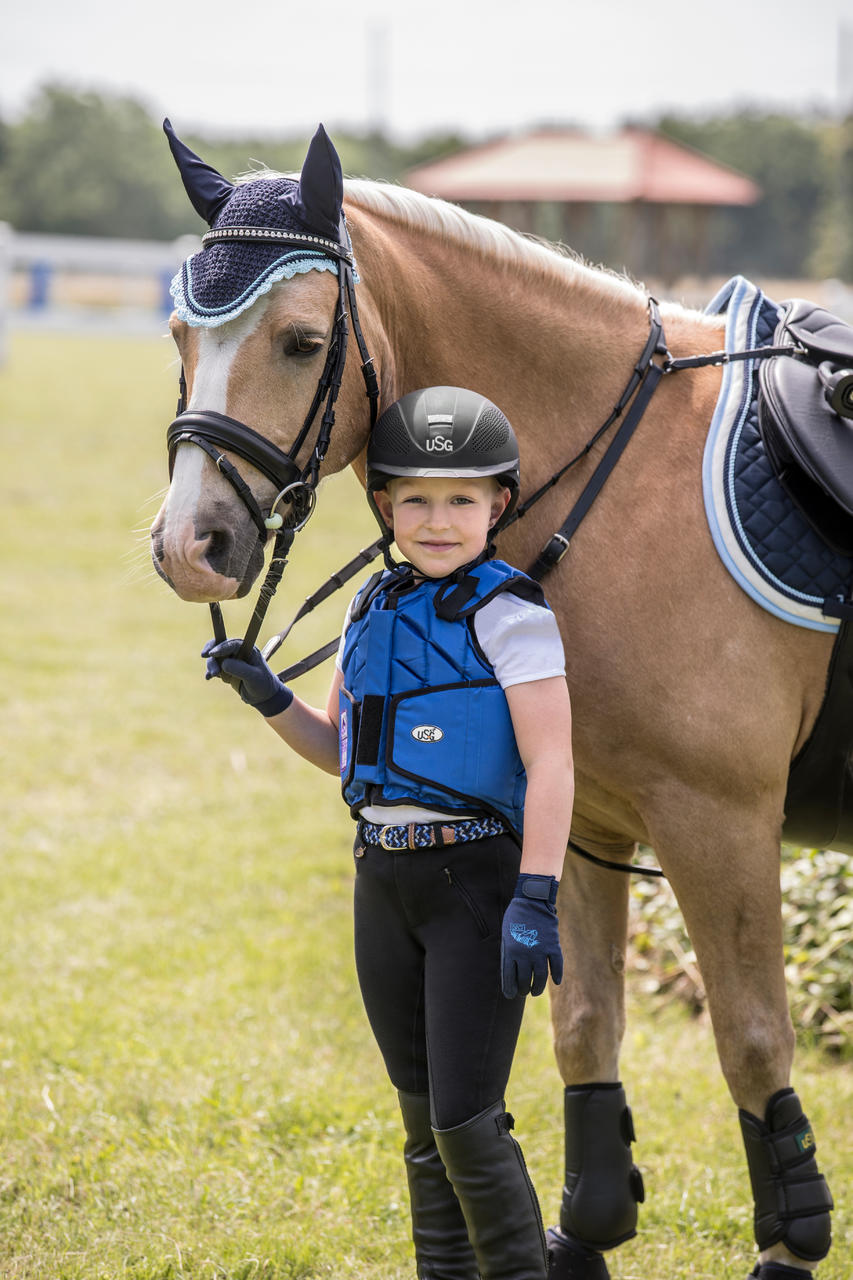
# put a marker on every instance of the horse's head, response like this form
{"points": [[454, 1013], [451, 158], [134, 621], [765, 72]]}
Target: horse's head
{"points": [[261, 323]]}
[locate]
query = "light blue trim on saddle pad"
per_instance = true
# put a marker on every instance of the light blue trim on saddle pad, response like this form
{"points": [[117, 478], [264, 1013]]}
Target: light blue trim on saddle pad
{"points": [[762, 538]]}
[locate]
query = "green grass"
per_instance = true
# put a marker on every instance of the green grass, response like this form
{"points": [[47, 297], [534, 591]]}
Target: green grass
{"points": [[188, 1087]]}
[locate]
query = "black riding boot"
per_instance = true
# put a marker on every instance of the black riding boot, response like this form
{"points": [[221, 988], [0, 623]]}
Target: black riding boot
{"points": [[442, 1248], [489, 1176]]}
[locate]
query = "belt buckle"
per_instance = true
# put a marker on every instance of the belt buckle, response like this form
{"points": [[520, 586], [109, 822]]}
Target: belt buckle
{"points": [[557, 552], [391, 848]]}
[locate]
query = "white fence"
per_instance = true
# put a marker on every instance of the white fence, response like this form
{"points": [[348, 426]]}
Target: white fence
{"points": [[81, 281]]}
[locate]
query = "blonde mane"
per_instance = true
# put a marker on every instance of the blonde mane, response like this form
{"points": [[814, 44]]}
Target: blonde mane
{"points": [[455, 225]]}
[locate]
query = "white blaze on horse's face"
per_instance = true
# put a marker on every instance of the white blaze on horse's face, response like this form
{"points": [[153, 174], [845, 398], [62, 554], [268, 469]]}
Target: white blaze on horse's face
{"points": [[216, 351], [261, 369]]}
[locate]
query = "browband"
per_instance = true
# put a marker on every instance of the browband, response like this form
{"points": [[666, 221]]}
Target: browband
{"points": [[273, 235]]}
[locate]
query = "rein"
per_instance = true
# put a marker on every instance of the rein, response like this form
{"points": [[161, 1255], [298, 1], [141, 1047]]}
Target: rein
{"points": [[639, 389]]}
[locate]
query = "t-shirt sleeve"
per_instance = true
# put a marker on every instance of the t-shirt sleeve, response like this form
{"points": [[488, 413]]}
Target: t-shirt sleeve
{"points": [[521, 640]]}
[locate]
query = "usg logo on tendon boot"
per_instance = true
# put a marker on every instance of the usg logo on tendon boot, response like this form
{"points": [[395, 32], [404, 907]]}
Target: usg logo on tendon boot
{"points": [[805, 1140]]}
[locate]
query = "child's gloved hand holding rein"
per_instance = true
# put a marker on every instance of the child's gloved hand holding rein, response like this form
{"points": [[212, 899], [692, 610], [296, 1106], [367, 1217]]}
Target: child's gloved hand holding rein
{"points": [[255, 682], [530, 941]]}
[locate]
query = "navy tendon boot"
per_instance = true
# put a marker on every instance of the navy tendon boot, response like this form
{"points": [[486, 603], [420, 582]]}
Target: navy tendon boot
{"points": [[602, 1187]]}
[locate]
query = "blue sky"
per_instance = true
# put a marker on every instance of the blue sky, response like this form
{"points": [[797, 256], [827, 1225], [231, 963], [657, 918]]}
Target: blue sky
{"points": [[481, 67]]}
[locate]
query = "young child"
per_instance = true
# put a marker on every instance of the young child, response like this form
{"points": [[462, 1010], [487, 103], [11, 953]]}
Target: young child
{"points": [[449, 721]]}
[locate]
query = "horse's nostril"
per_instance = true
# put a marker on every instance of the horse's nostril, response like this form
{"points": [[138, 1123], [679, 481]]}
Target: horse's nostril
{"points": [[218, 550]]}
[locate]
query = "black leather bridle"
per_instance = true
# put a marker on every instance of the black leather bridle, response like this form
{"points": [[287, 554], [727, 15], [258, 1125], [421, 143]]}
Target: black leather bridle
{"points": [[295, 485]]}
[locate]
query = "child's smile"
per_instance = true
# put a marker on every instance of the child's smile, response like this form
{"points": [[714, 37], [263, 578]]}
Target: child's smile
{"points": [[441, 523]]}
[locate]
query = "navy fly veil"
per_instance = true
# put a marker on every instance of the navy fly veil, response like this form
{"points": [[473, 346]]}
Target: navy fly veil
{"points": [[261, 231]]}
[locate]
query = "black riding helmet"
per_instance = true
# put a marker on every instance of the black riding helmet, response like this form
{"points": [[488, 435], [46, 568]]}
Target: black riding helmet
{"points": [[443, 431]]}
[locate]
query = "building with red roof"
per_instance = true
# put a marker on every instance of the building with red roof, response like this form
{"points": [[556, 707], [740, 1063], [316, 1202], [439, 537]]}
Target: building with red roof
{"points": [[632, 199]]}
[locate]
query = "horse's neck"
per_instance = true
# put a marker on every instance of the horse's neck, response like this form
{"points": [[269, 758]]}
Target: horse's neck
{"points": [[550, 347]]}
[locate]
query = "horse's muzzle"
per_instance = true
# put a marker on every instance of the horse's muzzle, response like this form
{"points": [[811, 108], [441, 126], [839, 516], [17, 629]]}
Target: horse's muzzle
{"points": [[213, 564]]}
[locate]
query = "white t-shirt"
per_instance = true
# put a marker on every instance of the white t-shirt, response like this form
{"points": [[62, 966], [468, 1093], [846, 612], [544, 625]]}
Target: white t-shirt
{"points": [[520, 640]]}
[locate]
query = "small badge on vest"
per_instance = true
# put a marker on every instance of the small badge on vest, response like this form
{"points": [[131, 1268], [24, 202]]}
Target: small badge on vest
{"points": [[427, 733]]}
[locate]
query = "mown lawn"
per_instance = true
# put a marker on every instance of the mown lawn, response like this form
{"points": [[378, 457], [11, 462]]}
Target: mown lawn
{"points": [[188, 1087]]}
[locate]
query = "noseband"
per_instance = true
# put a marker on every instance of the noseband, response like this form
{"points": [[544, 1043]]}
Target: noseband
{"points": [[295, 485]]}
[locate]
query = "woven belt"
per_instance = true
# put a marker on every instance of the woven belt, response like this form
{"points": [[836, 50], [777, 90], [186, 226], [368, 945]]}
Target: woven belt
{"points": [[428, 835]]}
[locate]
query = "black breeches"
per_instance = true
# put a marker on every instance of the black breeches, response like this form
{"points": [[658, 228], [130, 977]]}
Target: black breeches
{"points": [[427, 949]]}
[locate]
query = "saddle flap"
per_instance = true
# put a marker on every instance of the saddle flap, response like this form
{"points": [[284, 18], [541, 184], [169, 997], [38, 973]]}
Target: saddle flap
{"points": [[824, 336], [810, 447]]}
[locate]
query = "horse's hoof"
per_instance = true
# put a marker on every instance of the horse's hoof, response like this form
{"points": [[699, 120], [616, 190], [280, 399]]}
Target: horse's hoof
{"points": [[569, 1260], [779, 1271]]}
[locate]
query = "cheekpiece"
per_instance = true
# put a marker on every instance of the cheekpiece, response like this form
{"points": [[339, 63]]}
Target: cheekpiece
{"points": [[262, 231]]}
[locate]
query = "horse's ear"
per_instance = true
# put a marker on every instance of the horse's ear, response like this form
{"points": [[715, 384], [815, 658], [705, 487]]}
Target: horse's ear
{"points": [[321, 186], [208, 191]]}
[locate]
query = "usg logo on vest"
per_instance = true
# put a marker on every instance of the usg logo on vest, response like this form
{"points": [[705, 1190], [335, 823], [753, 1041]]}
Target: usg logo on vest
{"points": [[427, 733], [440, 438]]}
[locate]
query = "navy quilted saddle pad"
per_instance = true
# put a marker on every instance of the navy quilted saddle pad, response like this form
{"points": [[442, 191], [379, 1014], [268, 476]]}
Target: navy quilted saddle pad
{"points": [[762, 538]]}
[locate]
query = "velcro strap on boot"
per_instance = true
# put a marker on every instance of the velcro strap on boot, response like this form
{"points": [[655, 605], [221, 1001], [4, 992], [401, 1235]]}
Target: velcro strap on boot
{"points": [[603, 1186], [792, 1199]]}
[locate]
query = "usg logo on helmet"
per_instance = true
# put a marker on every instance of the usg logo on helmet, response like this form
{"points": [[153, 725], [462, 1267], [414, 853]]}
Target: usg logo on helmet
{"points": [[439, 433]]}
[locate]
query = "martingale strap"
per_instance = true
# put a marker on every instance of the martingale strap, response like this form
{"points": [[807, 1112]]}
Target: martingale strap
{"points": [[641, 386]]}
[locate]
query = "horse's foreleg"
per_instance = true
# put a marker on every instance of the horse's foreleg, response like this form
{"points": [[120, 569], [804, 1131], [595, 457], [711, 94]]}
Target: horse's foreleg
{"points": [[601, 1186], [723, 863]]}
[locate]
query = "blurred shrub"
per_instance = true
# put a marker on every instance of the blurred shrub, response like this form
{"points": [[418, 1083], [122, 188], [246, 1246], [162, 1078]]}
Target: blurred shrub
{"points": [[817, 914]]}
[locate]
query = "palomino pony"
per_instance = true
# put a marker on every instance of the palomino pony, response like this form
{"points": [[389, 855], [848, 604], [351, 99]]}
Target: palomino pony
{"points": [[690, 700]]}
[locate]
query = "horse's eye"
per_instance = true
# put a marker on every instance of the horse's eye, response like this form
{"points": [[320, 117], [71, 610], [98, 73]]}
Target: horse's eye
{"points": [[300, 344]]}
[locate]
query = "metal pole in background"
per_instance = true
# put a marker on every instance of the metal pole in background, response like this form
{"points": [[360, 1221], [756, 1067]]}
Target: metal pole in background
{"points": [[844, 178], [5, 287], [377, 71]]}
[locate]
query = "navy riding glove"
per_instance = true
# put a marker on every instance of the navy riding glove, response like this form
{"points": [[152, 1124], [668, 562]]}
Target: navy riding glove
{"points": [[530, 941], [257, 685]]}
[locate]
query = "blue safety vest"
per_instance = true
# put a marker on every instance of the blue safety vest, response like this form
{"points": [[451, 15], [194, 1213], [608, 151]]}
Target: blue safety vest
{"points": [[423, 720]]}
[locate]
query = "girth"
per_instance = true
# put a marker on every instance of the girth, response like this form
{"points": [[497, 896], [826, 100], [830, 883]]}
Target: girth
{"points": [[819, 801]]}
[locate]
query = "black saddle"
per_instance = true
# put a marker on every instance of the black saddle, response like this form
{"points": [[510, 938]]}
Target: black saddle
{"points": [[805, 418]]}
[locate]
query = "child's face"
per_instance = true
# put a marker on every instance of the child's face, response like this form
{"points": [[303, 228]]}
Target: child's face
{"points": [[440, 524]]}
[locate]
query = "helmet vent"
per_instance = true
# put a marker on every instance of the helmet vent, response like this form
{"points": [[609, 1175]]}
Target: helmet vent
{"points": [[395, 433], [491, 431]]}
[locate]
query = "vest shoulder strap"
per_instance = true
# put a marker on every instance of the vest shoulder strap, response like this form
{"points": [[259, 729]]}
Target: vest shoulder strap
{"points": [[455, 601], [366, 595]]}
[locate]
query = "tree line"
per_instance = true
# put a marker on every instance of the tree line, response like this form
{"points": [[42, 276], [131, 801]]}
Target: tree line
{"points": [[83, 163]]}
